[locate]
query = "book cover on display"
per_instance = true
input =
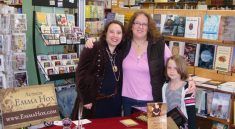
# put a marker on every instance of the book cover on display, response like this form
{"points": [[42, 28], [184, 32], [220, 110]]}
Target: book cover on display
{"points": [[157, 115], [220, 105], [206, 56], [233, 61], [177, 48], [223, 58], [178, 116], [227, 25], [179, 26], [190, 53], [211, 27], [192, 27], [168, 25], [157, 19]]}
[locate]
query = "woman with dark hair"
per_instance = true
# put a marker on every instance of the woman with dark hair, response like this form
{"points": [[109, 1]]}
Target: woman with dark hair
{"points": [[98, 75]]}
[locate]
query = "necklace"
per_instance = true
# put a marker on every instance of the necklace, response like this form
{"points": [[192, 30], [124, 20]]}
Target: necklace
{"points": [[113, 64], [139, 44]]}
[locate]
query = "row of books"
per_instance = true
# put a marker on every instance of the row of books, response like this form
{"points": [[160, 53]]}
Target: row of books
{"points": [[52, 19], [94, 11], [213, 84], [220, 2], [215, 27], [221, 58], [214, 104], [13, 2]]}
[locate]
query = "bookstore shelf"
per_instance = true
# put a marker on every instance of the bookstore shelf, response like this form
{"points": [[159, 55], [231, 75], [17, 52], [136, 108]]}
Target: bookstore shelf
{"points": [[208, 121], [214, 119], [200, 40]]}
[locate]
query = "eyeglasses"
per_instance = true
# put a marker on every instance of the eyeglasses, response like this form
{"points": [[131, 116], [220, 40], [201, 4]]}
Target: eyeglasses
{"points": [[141, 24]]}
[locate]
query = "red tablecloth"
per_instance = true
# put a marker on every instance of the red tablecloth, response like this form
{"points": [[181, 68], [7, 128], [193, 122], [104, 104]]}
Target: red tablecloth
{"points": [[108, 123]]}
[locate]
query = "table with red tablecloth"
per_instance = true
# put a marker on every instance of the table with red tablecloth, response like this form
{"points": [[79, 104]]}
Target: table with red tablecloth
{"points": [[108, 123]]}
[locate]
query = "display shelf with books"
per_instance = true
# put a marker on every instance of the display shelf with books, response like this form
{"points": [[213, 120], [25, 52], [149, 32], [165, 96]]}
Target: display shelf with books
{"points": [[59, 39], [94, 17], [204, 50]]}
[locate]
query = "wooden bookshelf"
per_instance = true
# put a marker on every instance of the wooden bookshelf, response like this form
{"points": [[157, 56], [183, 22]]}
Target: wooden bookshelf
{"points": [[207, 73]]}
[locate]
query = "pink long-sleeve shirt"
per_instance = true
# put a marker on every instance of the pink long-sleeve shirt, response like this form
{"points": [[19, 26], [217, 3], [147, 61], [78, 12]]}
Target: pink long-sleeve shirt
{"points": [[136, 77]]}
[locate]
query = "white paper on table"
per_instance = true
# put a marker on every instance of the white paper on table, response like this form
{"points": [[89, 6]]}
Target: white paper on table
{"points": [[84, 121]]}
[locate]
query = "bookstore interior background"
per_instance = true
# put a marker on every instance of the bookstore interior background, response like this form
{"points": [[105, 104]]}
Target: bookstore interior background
{"points": [[41, 41]]}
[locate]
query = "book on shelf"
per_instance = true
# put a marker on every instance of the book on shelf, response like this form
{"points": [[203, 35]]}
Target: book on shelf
{"points": [[110, 17], [221, 105], [211, 27], [179, 26], [211, 84], [168, 25], [192, 27], [198, 99], [177, 48], [226, 30], [227, 86], [190, 53], [157, 19], [233, 61], [217, 125], [200, 80], [209, 99], [223, 58], [206, 56], [202, 108]]}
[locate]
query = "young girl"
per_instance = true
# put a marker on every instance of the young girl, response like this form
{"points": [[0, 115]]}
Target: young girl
{"points": [[173, 91]]}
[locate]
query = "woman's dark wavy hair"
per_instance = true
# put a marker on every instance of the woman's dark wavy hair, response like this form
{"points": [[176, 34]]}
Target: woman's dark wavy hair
{"points": [[152, 35], [102, 39]]}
